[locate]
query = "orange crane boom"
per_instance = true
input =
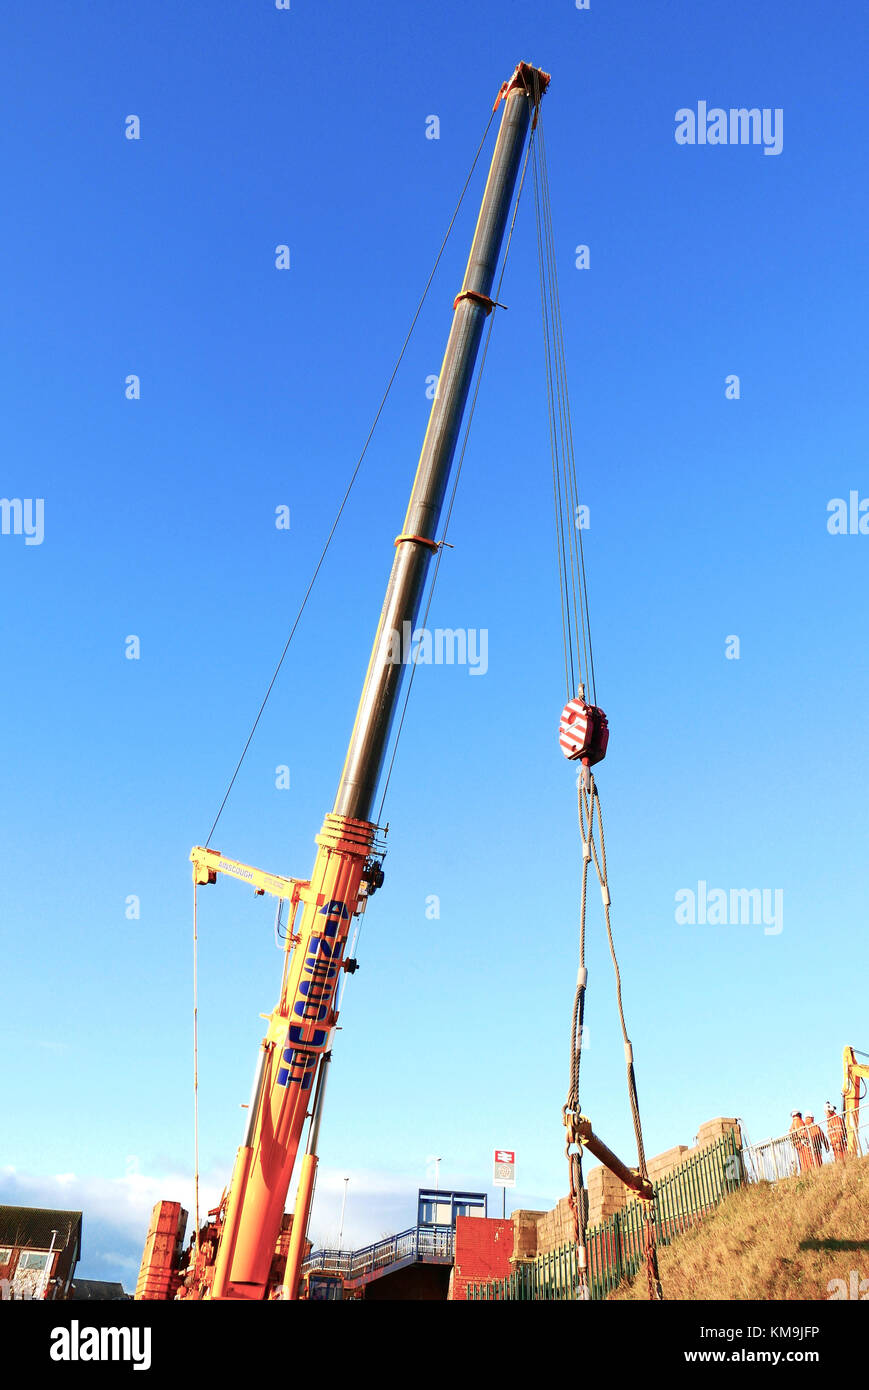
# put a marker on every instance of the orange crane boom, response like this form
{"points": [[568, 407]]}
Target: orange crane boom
{"points": [[297, 1038]]}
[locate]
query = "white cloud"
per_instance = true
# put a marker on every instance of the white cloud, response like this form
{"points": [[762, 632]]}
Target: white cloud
{"points": [[378, 1204], [124, 1202], [116, 1211]]}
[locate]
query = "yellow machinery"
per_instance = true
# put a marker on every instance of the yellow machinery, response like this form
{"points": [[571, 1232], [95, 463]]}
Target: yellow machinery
{"points": [[855, 1078], [290, 1075]]}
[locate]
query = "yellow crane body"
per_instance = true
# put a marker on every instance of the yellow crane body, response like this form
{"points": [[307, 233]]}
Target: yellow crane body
{"points": [[300, 1027]]}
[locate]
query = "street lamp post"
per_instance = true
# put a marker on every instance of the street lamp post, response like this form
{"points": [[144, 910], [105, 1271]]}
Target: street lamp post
{"points": [[43, 1283], [343, 1209]]}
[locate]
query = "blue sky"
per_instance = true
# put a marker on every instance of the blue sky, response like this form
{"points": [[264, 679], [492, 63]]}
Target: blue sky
{"points": [[708, 519]]}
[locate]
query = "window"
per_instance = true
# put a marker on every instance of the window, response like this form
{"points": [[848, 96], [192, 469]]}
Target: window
{"points": [[469, 1209], [5, 1254], [435, 1213], [33, 1259]]}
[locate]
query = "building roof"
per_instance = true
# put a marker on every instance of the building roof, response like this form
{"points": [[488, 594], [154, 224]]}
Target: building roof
{"points": [[31, 1227], [91, 1290]]}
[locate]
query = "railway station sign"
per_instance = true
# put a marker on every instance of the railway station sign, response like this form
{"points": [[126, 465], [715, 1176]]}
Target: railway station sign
{"points": [[505, 1168]]}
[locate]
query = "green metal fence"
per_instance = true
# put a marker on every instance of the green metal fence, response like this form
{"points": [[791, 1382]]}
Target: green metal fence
{"points": [[616, 1248]]}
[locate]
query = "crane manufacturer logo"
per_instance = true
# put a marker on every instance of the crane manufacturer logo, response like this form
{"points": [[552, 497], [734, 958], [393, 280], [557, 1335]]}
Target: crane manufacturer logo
{"points": [[313, 1001]]}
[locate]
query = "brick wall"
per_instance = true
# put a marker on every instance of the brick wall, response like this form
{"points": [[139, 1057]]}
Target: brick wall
{"points": [[483, 1250], [555, 1227], [525, 1224]]}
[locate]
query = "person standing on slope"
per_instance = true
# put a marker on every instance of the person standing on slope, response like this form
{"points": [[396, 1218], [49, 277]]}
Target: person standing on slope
{"points": [[799, 1139], [816, 1138], [836, 1131]]}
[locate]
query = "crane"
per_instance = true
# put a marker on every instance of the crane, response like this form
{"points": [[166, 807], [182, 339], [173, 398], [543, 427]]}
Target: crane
{"points": [[289, 1078]]}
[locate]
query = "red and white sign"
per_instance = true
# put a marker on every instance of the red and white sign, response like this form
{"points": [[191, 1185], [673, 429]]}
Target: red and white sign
{"points": [[505, 1168]]}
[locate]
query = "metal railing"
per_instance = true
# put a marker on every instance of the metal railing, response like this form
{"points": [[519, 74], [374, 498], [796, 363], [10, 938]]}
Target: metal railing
{"points": [[616, 1248], [422, 1243], [799, 1151]]}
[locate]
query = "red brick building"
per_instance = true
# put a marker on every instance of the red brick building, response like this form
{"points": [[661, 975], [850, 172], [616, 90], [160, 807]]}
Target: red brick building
{"points": [[39, 1250]]}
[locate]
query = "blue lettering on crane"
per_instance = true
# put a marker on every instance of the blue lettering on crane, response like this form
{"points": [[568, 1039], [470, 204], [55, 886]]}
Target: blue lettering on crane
{"points": [[334, 909], [298, 1067], [315, 992], [314, 1037]]}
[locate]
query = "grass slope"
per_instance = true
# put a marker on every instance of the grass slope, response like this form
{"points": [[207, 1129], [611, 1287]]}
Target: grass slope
{"points": [[784, 1240]]}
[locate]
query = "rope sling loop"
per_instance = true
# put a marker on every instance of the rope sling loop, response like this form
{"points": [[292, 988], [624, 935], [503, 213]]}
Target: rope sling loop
{"points": [[590, 813]]}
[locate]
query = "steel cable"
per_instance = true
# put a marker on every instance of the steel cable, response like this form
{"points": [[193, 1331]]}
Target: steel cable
{"points": [[579, 663]]}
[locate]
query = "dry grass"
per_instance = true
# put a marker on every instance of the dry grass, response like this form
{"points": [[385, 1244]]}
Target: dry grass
{"points": [[782, 1240]]}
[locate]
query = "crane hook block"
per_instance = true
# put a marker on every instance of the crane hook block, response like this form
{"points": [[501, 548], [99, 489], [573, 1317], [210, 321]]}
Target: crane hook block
{"points": [[583, 732]]}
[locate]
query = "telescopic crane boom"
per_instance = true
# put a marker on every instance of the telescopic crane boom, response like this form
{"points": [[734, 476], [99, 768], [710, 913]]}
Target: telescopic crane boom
{"points": [[347, 868]]}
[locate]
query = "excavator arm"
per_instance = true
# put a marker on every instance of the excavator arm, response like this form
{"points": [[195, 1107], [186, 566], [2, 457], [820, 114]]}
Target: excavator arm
{"points": [[855, 1077]]}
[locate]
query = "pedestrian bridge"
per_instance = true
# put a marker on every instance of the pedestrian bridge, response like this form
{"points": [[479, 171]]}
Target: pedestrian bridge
{"points": [[412, 1264]]}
